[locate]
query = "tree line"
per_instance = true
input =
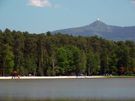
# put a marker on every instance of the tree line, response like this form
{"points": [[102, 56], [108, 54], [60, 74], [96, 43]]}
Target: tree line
{"points": [[46, 54]]}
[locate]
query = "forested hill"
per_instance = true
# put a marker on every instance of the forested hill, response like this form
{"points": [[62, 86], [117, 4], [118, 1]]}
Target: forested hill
{"points": [[103, 30], [47, 54]]}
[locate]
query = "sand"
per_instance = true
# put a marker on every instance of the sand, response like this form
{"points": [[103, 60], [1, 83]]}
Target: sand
{"points": [[51, 77]]}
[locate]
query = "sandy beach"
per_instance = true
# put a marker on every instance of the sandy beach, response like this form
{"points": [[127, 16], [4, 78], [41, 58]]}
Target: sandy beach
{"points": [[51, 77]]}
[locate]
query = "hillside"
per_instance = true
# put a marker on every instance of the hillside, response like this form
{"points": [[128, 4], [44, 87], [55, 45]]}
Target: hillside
{"points": [[101, 29]]}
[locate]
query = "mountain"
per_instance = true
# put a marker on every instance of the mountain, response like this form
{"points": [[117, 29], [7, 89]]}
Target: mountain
{"points": [[101, 29]]}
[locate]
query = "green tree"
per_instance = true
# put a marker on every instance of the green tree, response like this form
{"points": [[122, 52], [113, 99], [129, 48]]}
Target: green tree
{"points": [[104, 63], [7, 57], [123, 58], [76, 61], [18, 48], [62, 60], [93, 63]]}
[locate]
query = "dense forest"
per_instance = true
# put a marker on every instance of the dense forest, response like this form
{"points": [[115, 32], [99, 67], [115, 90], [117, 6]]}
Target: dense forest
{"points": [[49, 55]]}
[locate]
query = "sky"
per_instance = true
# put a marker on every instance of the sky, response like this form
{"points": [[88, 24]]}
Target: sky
{"points": [[39, 16]]}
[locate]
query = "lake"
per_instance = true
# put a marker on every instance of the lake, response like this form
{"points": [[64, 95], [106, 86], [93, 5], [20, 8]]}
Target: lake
{"points": [[103, 88]]}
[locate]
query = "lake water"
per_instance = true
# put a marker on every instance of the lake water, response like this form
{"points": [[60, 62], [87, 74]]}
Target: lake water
{"points": [[113, 88]]}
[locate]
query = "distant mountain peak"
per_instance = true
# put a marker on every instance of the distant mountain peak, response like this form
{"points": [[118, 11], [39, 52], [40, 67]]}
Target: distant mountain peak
{"points": [[98, 23], [100, 28]]}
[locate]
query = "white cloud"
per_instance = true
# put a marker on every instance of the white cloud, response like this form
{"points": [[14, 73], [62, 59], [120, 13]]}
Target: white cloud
{"points": [[40, 3]]}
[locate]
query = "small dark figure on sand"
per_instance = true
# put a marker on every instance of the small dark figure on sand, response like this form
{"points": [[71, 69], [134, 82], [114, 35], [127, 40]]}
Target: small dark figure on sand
{"points": [[15, 74]]}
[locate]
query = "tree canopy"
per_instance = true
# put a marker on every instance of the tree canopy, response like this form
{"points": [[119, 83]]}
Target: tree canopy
{"points": [[47, 54]]}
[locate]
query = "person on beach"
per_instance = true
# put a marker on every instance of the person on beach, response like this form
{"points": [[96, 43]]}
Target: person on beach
{"points": [[15, 74]]}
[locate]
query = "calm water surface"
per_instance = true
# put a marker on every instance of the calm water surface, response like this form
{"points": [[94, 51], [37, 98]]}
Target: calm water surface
{"points": [[114, 88]]}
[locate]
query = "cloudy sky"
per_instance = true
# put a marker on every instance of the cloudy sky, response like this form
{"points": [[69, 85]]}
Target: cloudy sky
{"points": [[47, 15]]}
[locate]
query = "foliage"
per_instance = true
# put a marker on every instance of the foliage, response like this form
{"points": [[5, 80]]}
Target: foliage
{"points": [[49, 55]]}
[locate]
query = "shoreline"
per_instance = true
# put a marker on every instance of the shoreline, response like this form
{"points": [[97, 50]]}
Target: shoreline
{"points": [[62, 77], [51, 77]]}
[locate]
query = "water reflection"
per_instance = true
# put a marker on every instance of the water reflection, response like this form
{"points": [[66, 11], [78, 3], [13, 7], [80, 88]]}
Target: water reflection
{"points": [[68, 89]]}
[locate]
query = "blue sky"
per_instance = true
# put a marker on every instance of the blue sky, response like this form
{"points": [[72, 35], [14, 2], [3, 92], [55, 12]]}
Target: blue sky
{"points": [[39, 16]]}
